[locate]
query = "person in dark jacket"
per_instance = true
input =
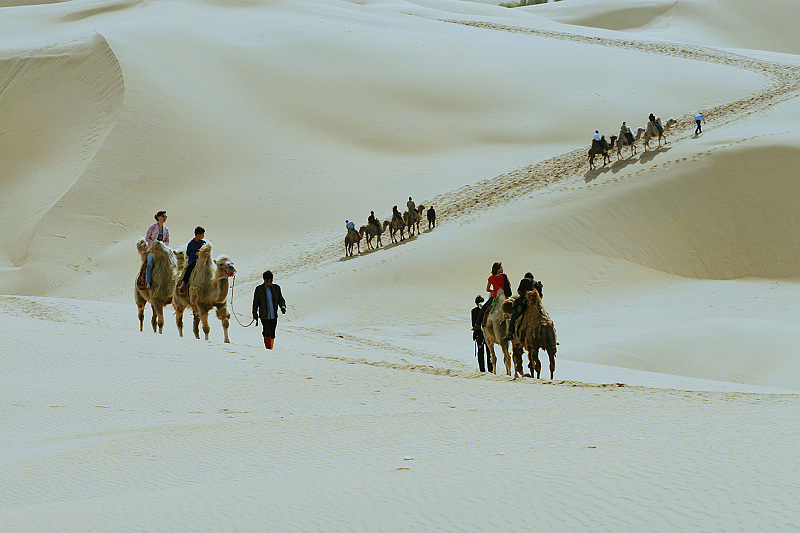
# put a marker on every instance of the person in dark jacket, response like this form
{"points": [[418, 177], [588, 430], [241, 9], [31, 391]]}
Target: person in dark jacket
{"points": [[526, 285], [191, 255], [431, 217], [267, 298], [477, 336]]}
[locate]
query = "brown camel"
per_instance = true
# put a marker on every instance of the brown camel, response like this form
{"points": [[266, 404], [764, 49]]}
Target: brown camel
{"points": [[601, 147], [411, 218], [652, 131], [535, 331], [160, 293], [208, 288], [395, 226], [623, 140], [350, 240], [371, 232]]}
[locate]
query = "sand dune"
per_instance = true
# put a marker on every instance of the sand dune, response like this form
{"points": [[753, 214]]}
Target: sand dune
{"points": [[671, 275]]}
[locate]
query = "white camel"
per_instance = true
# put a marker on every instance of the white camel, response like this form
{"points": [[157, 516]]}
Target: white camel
{"points": [[493, 332], [160, 293]]}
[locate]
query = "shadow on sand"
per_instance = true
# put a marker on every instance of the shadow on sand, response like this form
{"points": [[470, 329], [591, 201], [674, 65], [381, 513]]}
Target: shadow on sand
{"points": [[649, 155], [389, 246]]}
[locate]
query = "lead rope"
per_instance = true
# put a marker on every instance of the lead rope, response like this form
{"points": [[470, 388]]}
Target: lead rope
{"points": [[233, 284]]}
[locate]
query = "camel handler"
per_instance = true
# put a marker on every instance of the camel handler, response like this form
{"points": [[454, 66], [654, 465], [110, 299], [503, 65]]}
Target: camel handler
{"points": [[520, 305], [431, 218], [477, 336], [267, 298]]}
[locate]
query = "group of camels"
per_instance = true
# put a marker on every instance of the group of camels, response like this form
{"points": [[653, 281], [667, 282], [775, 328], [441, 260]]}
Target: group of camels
{"points": [[623, 140], [207, 287], [411, 220], [534, 331]]}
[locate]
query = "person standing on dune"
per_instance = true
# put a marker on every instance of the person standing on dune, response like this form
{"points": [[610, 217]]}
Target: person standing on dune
{"points": [[697, 120]]}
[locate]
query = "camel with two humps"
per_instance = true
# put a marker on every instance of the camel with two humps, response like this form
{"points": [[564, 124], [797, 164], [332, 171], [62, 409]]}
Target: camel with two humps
{"points": [[370, 231], [652, 131], [535, 331], [601, 147], [493, 332], [351, 241], [207, 289], [160, 293], [395, 226]]}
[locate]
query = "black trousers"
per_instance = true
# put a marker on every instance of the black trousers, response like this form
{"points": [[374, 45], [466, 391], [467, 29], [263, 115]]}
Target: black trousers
{"points": [[482, 352], [268, 327], [698, 129], [188, 272]]}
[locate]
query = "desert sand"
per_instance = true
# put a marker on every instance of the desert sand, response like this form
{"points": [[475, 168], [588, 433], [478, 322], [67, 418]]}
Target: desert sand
{"points": [[672, 275]]}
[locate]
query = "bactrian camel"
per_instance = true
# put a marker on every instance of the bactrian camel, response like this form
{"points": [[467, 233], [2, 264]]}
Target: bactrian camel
{"points": [[493, 332], [534, 331], [350, 241], [160, 293], [207, 289]]}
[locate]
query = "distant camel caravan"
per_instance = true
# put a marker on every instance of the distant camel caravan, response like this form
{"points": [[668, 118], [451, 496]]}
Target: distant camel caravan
{"points": [[408, 221], [535, 331], [207, 288], [617, 143]]}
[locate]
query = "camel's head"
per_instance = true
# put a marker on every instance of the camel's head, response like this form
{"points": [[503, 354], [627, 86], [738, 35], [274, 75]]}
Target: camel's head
{"points": [[180, 257], [508, 306], [670, 122], [141, 247], [225, 266]]}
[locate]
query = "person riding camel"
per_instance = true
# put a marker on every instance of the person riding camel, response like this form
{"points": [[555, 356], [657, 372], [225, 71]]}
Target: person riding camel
{"points": [[397, 216], [626, 133], [411, 205], [351, 226], [657, 124], [374, 221], [520, 305], [497, 282]]}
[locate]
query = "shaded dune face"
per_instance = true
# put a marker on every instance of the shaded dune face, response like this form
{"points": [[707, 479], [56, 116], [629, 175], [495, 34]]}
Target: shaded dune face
{"points": [[737, 220], [59, 104]]}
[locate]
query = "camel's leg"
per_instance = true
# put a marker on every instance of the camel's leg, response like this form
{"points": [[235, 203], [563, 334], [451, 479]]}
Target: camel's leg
{"points": [[160, 318], [552, 353], [204, 320], [224, 317], [196, 324], [507, 359], [517, 355], [534, 364], [179, 319], [154, 318], [492, 356], [141, 316]]}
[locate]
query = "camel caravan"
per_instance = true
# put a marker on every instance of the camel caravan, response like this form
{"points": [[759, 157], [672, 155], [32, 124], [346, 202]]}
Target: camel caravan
{"points": [[398, 225], [206, 288], [626, 139]]}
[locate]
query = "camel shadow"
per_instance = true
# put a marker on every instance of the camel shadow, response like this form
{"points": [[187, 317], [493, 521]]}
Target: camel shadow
{"points": [[388, 246], [592, 174], [620, 165], [649, 155]]}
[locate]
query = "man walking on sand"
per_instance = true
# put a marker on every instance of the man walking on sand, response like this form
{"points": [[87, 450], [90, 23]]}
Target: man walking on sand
{"points": [[697, 120], [267, 298]]}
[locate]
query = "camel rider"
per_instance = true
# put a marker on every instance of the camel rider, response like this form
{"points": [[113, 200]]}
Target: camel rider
{"points": [[396, 215], [374, 221], [655, 122], [351, 226], [526, 285], [596, 136], [156, 232], [411, 205], [626, 133], [191, 258], [497, 283]]}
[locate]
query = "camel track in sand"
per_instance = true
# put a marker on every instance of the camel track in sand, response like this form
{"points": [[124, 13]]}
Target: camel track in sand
{"points": [[783, 84]]}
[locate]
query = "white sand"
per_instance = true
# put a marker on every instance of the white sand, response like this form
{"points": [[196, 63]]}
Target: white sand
{"points": [[672, 276]]}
